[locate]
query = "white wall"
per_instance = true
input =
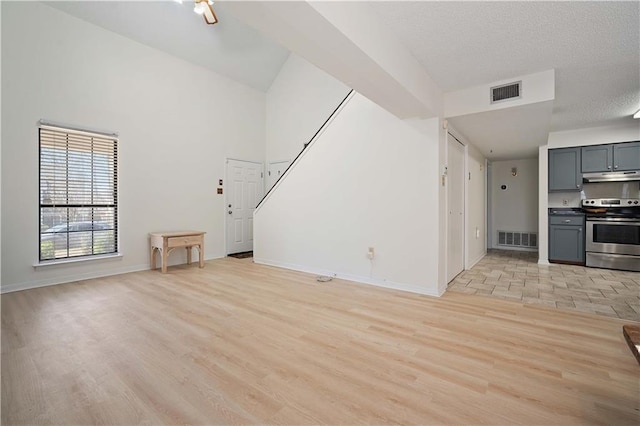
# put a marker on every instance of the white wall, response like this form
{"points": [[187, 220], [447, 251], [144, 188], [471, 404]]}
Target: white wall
{"points": [[299, 101], [343, 39], [543, 205], [177, 123], [516, 208], [0, 154], [369, 180], [356, 21]]}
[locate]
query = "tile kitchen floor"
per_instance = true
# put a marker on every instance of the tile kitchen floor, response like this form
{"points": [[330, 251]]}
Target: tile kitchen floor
{"points": [[516, 275]]}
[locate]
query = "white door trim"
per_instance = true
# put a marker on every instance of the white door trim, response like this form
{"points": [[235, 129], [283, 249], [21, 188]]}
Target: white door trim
{"points": [[462, 173]]}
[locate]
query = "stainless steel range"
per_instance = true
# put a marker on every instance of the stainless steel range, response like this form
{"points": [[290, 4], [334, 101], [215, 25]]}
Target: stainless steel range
{"points": [[613, 233]]}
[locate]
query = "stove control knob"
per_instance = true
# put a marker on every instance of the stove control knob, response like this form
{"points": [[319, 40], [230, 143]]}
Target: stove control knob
{"points": [[635, 202], [629, 202]]}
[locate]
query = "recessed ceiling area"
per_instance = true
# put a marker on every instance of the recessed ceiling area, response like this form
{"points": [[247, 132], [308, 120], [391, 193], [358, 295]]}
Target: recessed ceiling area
{"points": [[229, 47], [509, 133]]}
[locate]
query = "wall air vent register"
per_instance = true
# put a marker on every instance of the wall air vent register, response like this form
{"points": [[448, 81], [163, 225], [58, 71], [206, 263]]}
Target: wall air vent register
{"points": [[518, 239], [506, 92]]}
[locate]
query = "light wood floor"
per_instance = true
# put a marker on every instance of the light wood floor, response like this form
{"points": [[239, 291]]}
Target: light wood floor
{"points": [[243, 343]]}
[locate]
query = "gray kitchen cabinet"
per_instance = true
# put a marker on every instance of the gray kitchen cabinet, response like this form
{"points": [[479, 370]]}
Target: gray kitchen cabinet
{"points": [[565, 169], [626, 156], [566, 239], [611, 157], [597, 158]]}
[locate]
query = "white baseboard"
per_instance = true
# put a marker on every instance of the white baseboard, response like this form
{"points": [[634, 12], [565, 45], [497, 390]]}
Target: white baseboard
{"points": [[474, 262], [442, 289], [349, 277], [9, 288], [510, 248]]}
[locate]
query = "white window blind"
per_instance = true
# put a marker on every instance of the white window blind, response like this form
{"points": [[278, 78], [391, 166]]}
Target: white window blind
{"points": [[78, 193]]}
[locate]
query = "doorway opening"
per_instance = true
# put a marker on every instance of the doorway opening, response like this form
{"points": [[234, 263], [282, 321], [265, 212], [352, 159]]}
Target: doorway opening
{"points": [[245, 189]]}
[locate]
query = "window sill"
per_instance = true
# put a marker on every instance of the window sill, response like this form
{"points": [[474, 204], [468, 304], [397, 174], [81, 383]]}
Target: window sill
{"points": [[48, 263]]}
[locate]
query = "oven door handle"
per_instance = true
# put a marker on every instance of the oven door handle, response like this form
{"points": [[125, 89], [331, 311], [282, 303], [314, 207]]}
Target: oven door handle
{"points": [[617, 221]]}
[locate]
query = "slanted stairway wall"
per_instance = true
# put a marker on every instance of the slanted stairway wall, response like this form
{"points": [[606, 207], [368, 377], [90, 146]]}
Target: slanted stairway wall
{"points": [[368, 180], [299, 100]]}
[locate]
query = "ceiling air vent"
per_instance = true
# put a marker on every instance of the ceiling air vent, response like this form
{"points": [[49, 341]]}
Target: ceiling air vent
{"points": [[506, 92]]}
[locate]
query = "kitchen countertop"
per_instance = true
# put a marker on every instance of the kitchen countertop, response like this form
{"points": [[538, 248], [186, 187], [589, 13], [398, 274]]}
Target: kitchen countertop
{"points": [[566, 211]]}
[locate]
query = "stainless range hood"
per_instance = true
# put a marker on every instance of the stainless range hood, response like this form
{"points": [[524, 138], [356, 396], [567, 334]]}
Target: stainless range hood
{"points": [[611, 176]]}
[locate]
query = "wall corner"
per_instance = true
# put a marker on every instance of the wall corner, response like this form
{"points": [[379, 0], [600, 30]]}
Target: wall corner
{"points": [[543, 205]]}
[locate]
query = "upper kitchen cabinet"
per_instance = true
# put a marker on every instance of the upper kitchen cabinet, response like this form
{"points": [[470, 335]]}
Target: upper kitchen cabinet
{"points": [[626, 156], [597, 158], [611, 158], [565, 169]]}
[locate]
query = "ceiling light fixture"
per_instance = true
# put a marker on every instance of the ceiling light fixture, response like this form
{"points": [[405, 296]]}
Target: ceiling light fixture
{"points": [[204, 8], [637, 114]]}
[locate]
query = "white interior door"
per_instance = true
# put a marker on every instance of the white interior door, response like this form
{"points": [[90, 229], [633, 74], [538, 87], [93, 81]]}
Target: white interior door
{"points": [[274, 171], [455, 206], [244, 191]]}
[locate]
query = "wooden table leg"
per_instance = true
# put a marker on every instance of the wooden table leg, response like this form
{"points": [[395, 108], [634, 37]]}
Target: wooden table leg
{"points": [[153, 258], [165, 252], [201, 255], [189, 255]]}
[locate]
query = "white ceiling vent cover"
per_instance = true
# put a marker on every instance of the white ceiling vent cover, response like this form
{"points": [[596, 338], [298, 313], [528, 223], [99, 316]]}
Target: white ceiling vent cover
{"points": [[506, 92]]}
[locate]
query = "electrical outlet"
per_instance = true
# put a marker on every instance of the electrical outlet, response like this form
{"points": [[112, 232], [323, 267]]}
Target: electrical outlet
{"points": [[477, 233], [371, 253], [565, 202]]}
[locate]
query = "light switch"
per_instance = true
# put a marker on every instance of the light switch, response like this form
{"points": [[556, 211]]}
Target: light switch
{"points": [[219, 190]]}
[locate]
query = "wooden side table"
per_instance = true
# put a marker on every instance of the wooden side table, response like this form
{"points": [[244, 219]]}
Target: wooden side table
{"points": [[165, 242]]}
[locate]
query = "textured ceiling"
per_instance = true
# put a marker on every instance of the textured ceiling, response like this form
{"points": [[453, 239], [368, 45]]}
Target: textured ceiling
{"points": [[229, 47], [593, 46]]}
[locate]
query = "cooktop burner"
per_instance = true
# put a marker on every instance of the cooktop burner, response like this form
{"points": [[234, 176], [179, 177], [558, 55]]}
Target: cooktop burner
{"points": [[613, 203], [628, 208], [612, 208]]}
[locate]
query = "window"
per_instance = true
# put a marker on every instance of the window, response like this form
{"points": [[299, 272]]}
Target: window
{"points": [[78, 193]]}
